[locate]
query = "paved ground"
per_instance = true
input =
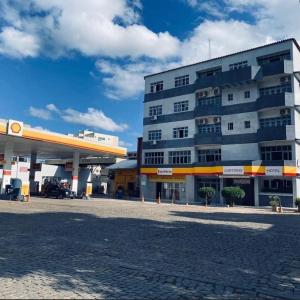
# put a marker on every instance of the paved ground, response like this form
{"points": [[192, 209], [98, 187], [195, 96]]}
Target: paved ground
{"points": [[128, 250]]}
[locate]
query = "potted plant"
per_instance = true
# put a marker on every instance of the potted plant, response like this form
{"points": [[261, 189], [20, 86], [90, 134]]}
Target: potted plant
{"points": [[207, 193], [232, 193], [275, 202], [297, 203]]}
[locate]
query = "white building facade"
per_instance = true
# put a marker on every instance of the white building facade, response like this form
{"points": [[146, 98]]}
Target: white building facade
{"points": [[229, 121]]}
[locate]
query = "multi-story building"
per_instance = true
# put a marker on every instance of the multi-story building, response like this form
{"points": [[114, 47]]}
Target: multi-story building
{"points": [[228, 121]]}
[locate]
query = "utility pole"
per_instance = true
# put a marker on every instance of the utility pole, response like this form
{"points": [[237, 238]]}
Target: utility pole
{"points": [[209, 48]]}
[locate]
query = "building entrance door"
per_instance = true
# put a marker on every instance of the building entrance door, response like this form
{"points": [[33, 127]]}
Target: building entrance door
{"points": [[247, 184]]}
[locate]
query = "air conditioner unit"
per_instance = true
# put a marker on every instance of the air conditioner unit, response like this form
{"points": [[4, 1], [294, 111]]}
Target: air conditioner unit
{"points": [[154, 142], [205, 93], [200, 94], [285, 111], [284, 79], [217, 120], [202, 121], [153, 118], [216, 92]]}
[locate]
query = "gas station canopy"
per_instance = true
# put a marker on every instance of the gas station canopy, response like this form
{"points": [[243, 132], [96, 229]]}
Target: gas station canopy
{"points": [[50, 145]]}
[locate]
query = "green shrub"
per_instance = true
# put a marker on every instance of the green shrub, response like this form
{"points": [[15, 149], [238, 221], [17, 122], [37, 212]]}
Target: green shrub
{"points": [[297, 201], [232, 194], [207, 193], [275, 200]]}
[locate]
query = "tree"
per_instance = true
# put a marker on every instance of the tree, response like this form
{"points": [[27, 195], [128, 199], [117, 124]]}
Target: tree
{"points": [[207, 193], [232, 194]]}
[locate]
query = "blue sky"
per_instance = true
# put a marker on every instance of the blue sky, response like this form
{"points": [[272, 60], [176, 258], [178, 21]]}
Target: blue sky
{"points": [[74, 64]]}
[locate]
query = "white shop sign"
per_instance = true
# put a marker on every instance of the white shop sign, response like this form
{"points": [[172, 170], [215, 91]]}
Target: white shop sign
{"points": [[233, 170], [164, 171], [273, 171]]}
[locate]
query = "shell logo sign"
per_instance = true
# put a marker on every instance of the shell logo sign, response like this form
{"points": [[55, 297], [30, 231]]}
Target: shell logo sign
{"points": [[15, 128]]}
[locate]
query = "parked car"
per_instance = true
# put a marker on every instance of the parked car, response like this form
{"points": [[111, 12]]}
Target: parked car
{"points": [[57, 191]]}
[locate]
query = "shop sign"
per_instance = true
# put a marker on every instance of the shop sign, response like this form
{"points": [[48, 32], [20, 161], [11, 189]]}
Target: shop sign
{"points": [[273, 171], [233, 170], [15, 128], [164, 171]]}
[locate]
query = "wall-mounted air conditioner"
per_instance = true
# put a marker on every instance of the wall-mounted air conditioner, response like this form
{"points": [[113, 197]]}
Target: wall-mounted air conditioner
{"points": [[153, 118], [285, 111], [217, 120], [154, 142]]}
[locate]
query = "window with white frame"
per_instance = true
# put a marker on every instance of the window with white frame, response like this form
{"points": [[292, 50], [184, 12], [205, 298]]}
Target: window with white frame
{"points": [[154, 158], [154, 135], [181, 106], [180, 157], [209, 155], [180, 132], [238, 65], [155, 110], [156, 86], [182, 80]]}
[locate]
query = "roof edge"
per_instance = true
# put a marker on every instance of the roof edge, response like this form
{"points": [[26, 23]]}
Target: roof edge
{"points": [[230, 54]]}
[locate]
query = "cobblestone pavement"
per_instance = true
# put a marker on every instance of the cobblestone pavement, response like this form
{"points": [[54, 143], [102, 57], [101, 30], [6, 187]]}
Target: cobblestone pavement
{"points": [[114, 249]]}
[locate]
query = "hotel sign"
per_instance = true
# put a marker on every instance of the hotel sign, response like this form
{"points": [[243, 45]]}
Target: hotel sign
{"points": [[273, 171], [233, 170], [164, 171]]}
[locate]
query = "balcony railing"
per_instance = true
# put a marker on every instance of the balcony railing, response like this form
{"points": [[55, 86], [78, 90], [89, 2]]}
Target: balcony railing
{"points": [[208, 138], [278, 67], [275, 100]]}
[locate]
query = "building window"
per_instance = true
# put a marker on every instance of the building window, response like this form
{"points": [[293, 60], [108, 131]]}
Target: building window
{"points": [[154, 135], [247, 124], [181, 106], [209, 155], [209, 128], [180, 132], [230, 126], [182, 80], [155, 110], [156, 86], [274, 58], [238, 65], [278, 89], [277, 186], [275, 122], [230, 97], [154, 158], [247, 94], [217, 101], [282, 152], [180, 157]]}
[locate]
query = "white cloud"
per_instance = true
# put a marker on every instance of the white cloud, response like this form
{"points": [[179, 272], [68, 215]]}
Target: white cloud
{"points": [[92, 118], [127, 81], [19, 44], [40, 113], [91, 27], [125, 144], [52, 107]]}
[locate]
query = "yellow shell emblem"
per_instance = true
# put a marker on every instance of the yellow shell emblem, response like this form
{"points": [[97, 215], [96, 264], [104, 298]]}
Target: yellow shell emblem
{"points": [[15, 127]]}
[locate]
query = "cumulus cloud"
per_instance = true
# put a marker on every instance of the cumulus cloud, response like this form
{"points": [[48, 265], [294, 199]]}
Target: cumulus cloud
{"points": [[93, 28], [92, 118], [125, 144], [127, 81], [19, 44]]}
